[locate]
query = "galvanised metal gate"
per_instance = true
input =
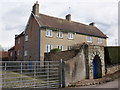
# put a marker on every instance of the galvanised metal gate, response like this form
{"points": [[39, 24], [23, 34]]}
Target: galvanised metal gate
{"points": [[31, 74]]}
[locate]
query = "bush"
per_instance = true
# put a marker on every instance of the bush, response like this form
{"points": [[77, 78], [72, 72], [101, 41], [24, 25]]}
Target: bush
{"points": [[55, 50]]}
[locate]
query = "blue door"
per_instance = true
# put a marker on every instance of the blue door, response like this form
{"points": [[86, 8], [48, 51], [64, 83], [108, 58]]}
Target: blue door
{"points": [[97, 71]]}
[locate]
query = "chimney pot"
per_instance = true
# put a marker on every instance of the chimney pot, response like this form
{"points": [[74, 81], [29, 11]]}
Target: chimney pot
{"points": [[68, 17], [36, 2]]}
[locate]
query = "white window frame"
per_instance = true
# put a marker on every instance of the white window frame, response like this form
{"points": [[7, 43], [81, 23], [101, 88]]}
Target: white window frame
{"points": [[11, 54], [26, 38], [69, 47], [70, 36], [60, 47], [25, 53], [99, 40], [89, 39], [60, 34], [48, 33], [18, 40], [48, 47]]}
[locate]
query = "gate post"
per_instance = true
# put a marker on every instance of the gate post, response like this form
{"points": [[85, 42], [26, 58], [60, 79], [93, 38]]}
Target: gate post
{"points": [[61, 73], [48, 74]]}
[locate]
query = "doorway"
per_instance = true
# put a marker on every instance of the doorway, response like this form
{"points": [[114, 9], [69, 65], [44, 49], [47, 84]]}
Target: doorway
{"points": [[97, 69]]}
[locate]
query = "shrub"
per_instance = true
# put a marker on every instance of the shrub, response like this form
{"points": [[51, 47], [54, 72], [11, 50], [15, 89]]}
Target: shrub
{"points": [[55, 50]]}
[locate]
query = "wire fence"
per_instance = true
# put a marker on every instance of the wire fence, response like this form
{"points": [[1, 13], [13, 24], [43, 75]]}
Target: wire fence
{"points": [[29, 74]]}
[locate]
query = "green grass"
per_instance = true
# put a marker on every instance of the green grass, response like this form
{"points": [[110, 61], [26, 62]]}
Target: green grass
{"points": [[10, 81], [28, 81]]}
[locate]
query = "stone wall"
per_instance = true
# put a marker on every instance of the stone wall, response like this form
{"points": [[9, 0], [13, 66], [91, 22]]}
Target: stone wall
{"points": [[78, 63], [75, 69], [112, 69], [64, 55], [94, 50]]}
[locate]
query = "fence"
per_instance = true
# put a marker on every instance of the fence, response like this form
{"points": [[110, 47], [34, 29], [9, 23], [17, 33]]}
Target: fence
{"points": [[29, 74]]}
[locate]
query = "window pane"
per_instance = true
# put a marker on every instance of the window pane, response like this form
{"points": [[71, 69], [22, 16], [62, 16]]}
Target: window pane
{"points": [[70, 35], [49, 33], [26, 38], [89, 39], [99, 40], [48, 48]]}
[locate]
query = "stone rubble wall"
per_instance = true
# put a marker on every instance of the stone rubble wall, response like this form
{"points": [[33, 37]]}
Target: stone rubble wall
{"points": [[112, 69]]}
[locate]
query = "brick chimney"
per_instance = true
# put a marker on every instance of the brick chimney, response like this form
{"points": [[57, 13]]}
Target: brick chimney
{"points": [[68, 17], [35, 9]]}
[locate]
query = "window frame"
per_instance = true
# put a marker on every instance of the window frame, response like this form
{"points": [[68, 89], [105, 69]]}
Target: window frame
{"points": [[60, 47], [48, 33], [69, 47], [89, 39], [25, 53], [60, 34], [11, 54], [99, 40], [48, 47], [26, 37], [70, 36]]}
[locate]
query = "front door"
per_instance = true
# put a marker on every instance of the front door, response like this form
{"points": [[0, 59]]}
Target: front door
{"points": [[97, 71]]}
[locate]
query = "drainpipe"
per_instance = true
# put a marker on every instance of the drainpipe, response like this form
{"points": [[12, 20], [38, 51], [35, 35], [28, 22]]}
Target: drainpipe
{"points": [[39, 44], [23, 47]]}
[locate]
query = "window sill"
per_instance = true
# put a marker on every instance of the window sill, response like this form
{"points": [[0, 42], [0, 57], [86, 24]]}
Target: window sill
{"points": [[60, 37], [89, 41], [70, 38], [49, 36], [99, 42]]}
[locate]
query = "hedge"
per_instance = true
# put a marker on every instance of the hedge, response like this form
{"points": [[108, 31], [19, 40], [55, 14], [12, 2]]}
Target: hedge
{"points": [[112, 55]]}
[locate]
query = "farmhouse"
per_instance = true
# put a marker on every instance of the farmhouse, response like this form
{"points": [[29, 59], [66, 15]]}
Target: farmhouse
{"points": [[43, 33]]}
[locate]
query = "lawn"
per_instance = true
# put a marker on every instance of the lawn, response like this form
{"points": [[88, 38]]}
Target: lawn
{"points": [[17, 80]]}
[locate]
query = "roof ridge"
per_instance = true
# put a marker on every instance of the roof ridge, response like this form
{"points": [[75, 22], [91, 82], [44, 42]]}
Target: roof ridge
{"points": [[63, 19]]}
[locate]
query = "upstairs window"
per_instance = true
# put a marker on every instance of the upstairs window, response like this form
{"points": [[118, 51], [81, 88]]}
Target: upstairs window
{"points": [[49, 33], [48, 47], [99, 40], [89, 39], [26, 38], [25, 53], [60, 47], [60, 35], [11, 53], [18, 40], [70, 35]]}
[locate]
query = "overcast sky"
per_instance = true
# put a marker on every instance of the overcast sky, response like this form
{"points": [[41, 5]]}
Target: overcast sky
{"points": [[14, 15]]}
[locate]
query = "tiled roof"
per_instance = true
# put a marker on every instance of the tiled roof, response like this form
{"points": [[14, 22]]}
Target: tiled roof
{"points": [[21, 34], [53, 22], [12, 48]]}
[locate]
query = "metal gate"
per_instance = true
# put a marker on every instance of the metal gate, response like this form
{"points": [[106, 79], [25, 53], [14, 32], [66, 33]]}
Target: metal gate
{"points": [[29, 74]]}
